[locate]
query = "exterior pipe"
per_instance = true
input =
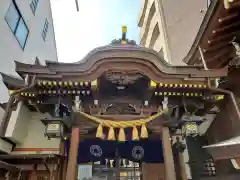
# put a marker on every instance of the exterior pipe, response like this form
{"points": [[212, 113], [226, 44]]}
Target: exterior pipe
{"points": [[77, 5], [5, 119], [230, 93]]}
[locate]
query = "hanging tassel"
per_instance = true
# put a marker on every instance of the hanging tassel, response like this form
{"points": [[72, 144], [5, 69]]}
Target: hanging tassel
{"points": [[135, 133], [121, 135], [111, 134], [144, 131], [99, 133]]}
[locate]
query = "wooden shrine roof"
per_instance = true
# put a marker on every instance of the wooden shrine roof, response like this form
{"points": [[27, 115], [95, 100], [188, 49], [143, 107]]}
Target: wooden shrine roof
{"points": [[226, 149], [117, 55], [219, 28], [126, 58]]}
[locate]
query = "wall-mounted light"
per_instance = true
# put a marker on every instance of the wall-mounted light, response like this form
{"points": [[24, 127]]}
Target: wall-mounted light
{"points": [[55, 128], [190, 128]]}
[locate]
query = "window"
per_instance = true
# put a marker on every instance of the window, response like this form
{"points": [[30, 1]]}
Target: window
{"points": [[45, 29], [33, 5], [16, 23]]}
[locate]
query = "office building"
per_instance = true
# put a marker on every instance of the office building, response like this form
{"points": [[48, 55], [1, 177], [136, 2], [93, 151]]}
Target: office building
{"points": [[170, 26], [26, 34]]}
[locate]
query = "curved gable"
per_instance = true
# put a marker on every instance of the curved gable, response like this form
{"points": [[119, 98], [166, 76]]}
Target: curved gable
{"points": [[117, 57]]}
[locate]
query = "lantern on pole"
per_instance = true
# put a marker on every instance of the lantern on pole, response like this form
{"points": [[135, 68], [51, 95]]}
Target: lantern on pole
{"points": [[190, 128], [55, 128]]}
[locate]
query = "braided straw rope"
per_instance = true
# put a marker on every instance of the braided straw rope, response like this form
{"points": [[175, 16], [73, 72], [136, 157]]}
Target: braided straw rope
{"points": [[122, 124]]}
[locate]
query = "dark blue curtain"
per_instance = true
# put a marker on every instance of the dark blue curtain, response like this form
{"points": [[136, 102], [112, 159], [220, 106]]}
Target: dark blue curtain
{"points": [[139, 151], [144, 150]]}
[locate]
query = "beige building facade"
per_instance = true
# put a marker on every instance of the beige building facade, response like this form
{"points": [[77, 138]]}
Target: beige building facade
{"points": [[170, 26]]}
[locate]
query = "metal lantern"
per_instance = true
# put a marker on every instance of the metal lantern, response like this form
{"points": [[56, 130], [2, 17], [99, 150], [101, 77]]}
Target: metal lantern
{"points": [[190, 128], [54, 128]]}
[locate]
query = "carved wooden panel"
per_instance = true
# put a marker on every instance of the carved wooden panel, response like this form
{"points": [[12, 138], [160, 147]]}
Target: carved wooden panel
{"points": [[120, 108], [122, 77]]}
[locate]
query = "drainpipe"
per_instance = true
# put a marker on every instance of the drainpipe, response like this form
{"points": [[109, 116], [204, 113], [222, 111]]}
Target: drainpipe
{"points": [[230, 93], [77, 5], [5, 119]]}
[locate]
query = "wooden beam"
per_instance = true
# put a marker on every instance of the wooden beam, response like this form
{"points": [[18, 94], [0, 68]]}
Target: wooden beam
{"points": [[8, 167], [216, 47], [225, 37], [6, 116], [33, 174], [182, 166], [219, 55], [235, 5], [46, 166], [226, 28], [223, 62], [121, 117], [29, 161], [168, 155], [73, 154], [228, 18], [113, 100], [64, 169]]}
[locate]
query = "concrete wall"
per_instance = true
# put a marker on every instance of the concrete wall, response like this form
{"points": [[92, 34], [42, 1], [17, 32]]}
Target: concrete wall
{"points": [[183, 19], [179, 22], [27, 131], [10, 49], [18, 124], [35, 141]]}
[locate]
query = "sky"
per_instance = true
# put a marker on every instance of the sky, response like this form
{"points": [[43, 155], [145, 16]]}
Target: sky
{"points": [[97, 23]]}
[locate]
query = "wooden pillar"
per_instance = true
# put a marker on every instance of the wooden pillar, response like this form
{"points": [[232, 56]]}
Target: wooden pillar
{"points": [[60, 164], [64, 169], [73, 153], [33, 173], [182, 165], [168, 155]]}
